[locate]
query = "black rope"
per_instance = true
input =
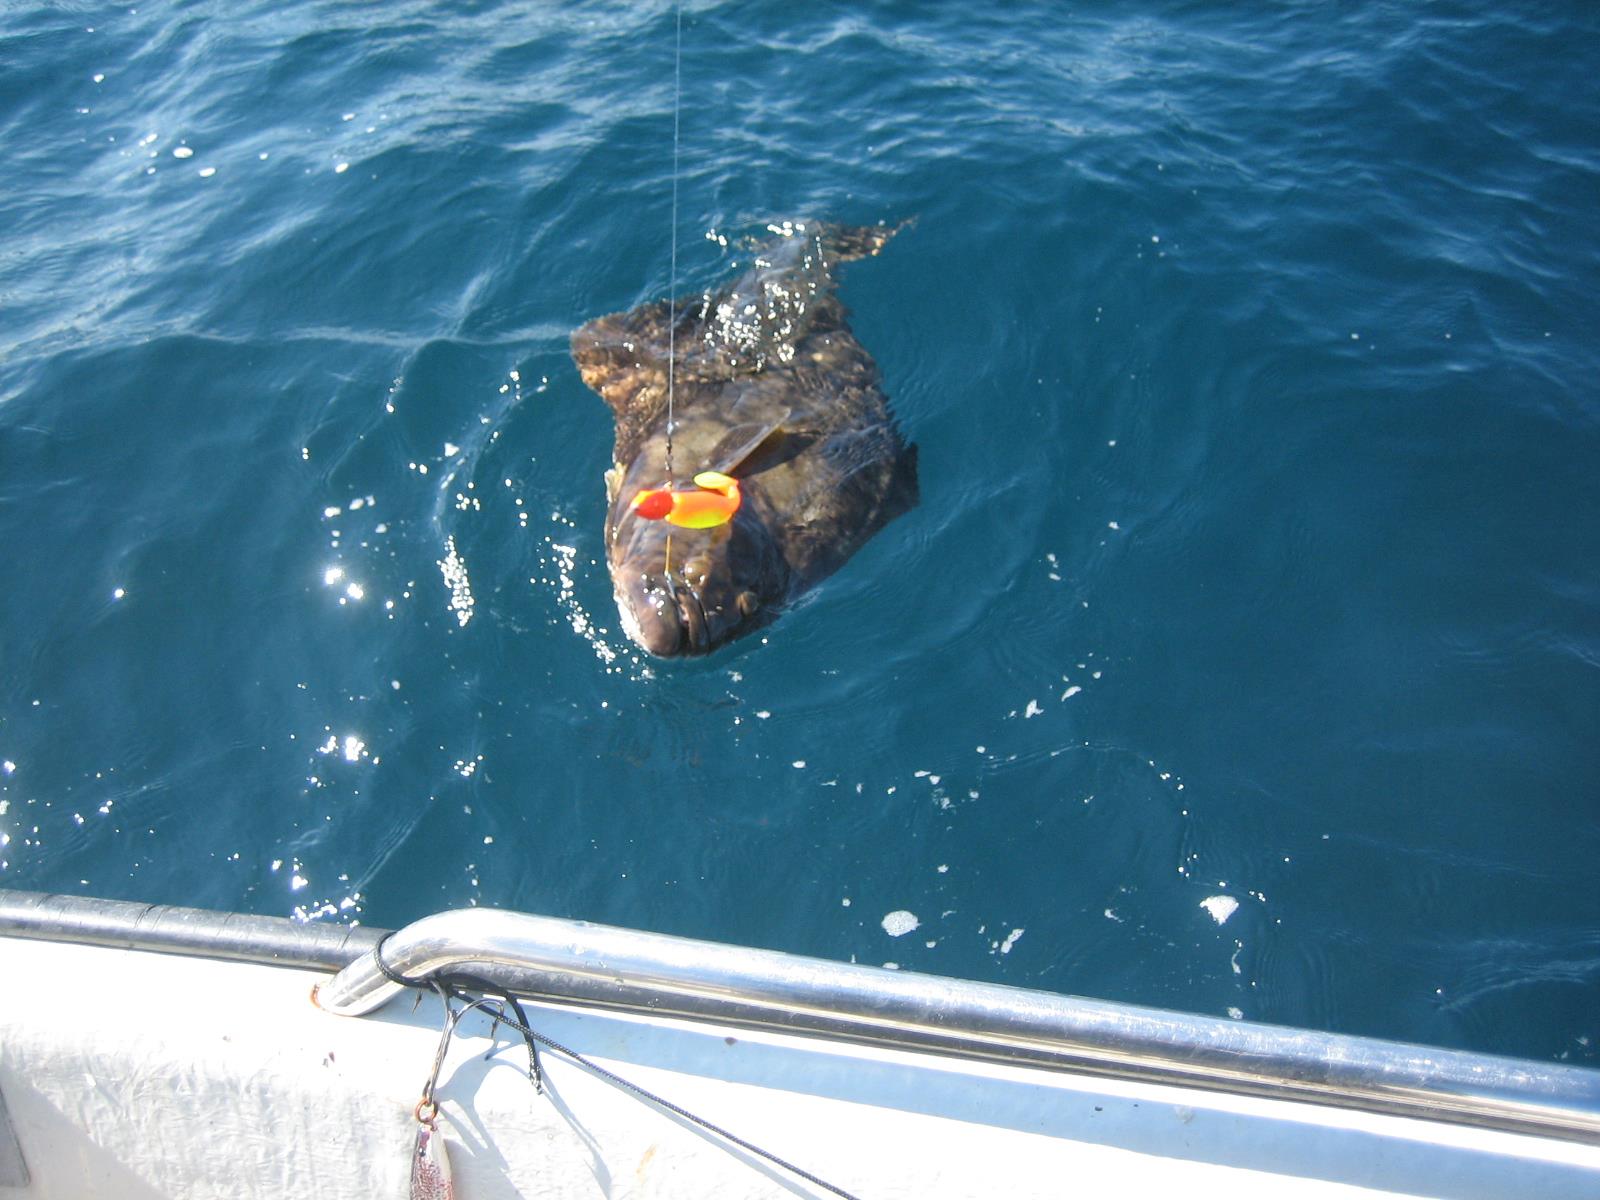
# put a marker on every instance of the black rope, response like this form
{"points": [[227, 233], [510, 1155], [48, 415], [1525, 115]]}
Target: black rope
{"points": [[454, 985]]}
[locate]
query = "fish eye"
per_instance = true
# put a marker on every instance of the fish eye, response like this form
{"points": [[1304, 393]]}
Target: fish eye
{"points": [[748, 603], [696, 569]]}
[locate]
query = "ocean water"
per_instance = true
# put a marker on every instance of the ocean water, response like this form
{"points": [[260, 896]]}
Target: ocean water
{"points": [[1243, 656]]}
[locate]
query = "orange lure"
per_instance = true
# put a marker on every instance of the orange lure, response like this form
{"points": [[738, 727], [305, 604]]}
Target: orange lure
{"points": [[713, 503]]}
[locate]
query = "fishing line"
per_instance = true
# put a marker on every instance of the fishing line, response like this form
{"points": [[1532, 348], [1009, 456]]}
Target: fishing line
{"points": [[672, 302], [450, 985]]}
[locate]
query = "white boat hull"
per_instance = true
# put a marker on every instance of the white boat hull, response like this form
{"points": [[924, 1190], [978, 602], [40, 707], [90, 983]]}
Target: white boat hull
{"points": [[135, 1075]]}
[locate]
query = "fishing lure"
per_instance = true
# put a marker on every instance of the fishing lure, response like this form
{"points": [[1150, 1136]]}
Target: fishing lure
{"points": [[430, 1168], [713, 502]]}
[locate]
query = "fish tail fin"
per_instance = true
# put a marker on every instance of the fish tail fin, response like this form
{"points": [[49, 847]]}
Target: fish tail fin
{"points": [[847, 242], [907, 493]]}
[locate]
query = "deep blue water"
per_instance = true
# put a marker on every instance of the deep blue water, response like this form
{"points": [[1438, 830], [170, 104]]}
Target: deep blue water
{"points": [[1252, 357]]}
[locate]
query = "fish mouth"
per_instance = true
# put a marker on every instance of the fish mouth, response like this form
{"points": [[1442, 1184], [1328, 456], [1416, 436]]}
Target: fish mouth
{"points": [[666, 619], [694, 634]]}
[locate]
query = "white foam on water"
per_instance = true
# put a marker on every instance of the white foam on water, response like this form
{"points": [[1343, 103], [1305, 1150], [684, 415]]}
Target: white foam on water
{"points": [[900, 922], [1220, 907]]}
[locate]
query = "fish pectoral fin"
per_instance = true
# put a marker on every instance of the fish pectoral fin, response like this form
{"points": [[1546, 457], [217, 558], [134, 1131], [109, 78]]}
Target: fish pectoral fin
{"points": [[740, 444]]}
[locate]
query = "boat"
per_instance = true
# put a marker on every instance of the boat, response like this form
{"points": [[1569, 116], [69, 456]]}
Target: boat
{"points": [[151, 1051]]}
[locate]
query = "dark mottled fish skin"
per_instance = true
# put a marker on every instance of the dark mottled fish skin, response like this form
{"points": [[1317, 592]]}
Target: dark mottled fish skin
{"points": [[772, 388]]}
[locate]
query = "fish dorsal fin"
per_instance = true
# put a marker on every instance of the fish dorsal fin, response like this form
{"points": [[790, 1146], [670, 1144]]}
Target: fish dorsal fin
{"points": [[741, 444], [846, 242]]}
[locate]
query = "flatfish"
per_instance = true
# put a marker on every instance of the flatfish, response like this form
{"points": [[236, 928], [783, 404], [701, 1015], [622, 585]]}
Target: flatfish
{"points": [[785, 456]]}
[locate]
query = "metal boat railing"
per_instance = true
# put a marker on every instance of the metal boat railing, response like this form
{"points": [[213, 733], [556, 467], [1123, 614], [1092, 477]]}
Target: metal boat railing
{"points": [[239, 937], [574, 962]]}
